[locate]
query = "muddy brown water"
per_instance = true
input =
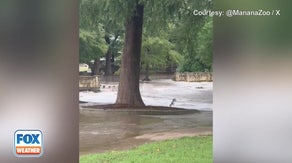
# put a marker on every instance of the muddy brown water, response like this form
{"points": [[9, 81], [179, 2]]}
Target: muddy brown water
{"points": [[108, 130]]}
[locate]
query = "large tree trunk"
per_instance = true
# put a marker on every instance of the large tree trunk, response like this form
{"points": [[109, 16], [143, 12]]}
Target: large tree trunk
{"points": [[108, 63], [129, 92]]}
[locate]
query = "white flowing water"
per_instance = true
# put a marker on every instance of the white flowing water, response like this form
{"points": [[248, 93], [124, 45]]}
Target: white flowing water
{"points": [[188, 95]]}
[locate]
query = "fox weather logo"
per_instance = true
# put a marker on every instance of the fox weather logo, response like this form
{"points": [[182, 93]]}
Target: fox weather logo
{"points": [[28, 143]]}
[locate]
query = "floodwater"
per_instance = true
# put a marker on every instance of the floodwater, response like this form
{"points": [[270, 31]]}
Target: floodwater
{"points": [[108, 130], [188, 95]]}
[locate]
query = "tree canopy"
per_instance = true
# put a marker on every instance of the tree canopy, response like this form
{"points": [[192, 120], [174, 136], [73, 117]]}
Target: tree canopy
{"points": [[198, 51], [189, 37], [91, 45]]}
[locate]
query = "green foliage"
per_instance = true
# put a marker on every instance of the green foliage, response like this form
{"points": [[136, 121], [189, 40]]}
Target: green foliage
{"points": [[192, 36], [198, 49], [87, 11], [195, 149], [158, 52], [91, 45], [115, 43], [205, 42], [91, 33], [171, 33], [105, 30]]}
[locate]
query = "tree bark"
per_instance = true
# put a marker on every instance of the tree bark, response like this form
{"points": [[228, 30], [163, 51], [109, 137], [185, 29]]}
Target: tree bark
{"points": [[108, 63], [128, 91], [96, 66]]}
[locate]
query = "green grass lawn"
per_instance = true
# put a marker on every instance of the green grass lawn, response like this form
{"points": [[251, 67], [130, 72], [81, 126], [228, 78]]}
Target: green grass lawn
{"points": [[183, 150]]}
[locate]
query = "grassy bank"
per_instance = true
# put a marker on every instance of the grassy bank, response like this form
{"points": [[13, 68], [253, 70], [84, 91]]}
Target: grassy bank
{"points": [[184, 150]]}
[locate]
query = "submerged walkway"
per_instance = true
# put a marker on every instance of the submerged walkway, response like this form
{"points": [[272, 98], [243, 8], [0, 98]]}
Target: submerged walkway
{"points": [[103, 130]]}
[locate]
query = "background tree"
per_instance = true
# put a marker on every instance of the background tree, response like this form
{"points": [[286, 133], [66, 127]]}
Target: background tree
{"points": [[158, 52], [114, 43], [91, 47], [198, 55], [96, 19], [204, 44], [188, 34], [91, 42]]}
